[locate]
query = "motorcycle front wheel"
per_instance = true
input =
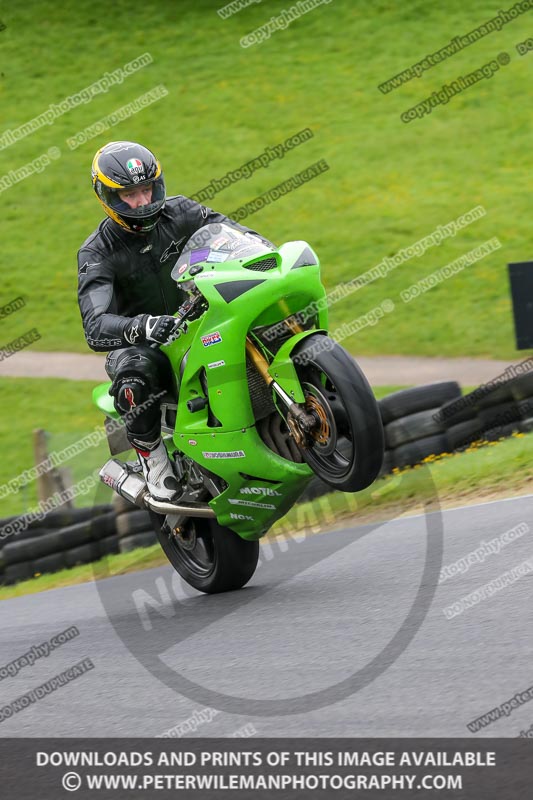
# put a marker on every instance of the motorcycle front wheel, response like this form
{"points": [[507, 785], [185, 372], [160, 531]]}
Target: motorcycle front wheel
{"points": [[208, 556], [345, 447]]}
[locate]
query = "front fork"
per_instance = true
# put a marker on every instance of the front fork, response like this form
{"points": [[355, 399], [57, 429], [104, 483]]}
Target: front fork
{"points": [[301, 423]]}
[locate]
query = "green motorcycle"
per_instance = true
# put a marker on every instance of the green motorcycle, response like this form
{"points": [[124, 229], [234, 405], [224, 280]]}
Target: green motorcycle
{"points": [[263, 400]]}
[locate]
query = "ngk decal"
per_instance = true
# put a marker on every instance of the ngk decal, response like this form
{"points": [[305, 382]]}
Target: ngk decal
{"points": [[241, 516]]}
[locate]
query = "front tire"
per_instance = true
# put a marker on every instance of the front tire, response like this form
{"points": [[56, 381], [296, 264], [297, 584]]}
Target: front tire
{"points": [[346, 448], [208, 556]]}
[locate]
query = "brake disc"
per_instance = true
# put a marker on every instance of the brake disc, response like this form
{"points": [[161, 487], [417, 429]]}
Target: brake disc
{"points": [[325, 433]]}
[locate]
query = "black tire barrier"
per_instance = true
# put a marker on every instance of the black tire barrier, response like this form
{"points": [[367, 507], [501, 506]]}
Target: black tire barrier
{"points": [[522, 387], [499, 415], [464, 433], [132, 523], [63, 517], [420, 398], [500, 394], [526, 425], [123, 506], [51, 563], [83, 533], [129, 543], [14, 573], [25, 548], [454, 412], [412, 453], [104, 525], [483, 397], [413, 427], [3, 522], [108, 546], [77, 535], [17, 552], [85, 554], [500, 432], [526, 407], [34, 533], [30, 533]]}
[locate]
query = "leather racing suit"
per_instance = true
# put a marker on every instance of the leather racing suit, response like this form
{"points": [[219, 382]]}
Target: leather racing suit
{"points": [[121, 275]]}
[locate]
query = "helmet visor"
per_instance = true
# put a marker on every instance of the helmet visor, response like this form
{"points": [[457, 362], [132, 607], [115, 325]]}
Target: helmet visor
{"points": [[138, 201]]}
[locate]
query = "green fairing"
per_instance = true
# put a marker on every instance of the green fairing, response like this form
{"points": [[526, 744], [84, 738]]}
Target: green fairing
{"points": [[103, 400], [272, 297]]}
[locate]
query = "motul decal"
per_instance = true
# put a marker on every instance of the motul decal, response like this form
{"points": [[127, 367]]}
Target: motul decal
{"points": [[259, 490]]}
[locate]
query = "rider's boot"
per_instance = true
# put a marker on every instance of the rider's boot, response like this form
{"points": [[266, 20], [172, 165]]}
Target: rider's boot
{"points": [[157, 468]]}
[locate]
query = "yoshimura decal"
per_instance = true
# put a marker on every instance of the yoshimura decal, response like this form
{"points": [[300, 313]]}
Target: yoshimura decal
{"points": [[211, 338], [214, 364], [259, 490], [241, 516], [251, 503], [226, 454]]}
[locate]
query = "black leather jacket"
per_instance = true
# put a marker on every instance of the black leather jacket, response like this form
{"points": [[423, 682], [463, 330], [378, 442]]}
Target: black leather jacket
{"points": [[121, 274]]}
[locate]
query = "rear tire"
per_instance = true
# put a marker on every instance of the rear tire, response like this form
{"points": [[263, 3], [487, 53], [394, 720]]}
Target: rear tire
{"points": [[349, 453], [208, 557]]}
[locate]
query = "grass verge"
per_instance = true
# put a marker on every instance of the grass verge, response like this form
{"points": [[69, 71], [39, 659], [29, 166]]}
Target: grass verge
{"points": [[65, 411], [389, 184]]}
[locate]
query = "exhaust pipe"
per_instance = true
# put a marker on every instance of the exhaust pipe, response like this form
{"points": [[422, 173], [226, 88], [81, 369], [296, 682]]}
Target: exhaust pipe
{"points": [[189, 510], [132, 486], [128, 484]]}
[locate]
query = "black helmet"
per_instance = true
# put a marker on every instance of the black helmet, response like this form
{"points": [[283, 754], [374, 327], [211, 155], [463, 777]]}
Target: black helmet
{"points": [[125, 166]]}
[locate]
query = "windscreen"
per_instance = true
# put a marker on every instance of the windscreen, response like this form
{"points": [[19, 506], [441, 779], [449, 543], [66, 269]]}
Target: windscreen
{"points": [[215, 243]]}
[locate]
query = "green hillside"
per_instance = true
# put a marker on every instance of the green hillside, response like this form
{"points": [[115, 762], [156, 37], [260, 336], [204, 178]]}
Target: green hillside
{"points": [[389, 183]]}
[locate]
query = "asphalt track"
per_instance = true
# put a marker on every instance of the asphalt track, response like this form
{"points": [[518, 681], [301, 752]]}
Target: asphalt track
{"points": [[312, 617]]}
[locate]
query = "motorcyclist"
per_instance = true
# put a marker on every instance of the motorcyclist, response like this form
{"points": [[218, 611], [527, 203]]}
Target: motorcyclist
{"points": [[127, 296]]}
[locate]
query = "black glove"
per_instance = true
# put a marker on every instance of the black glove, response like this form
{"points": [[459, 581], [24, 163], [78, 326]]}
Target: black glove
{"points": [[163, 330]]}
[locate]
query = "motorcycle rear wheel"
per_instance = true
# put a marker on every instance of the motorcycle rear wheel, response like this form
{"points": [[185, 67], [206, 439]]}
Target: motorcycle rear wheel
{"points": [[346, 448], [208, 556]]}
